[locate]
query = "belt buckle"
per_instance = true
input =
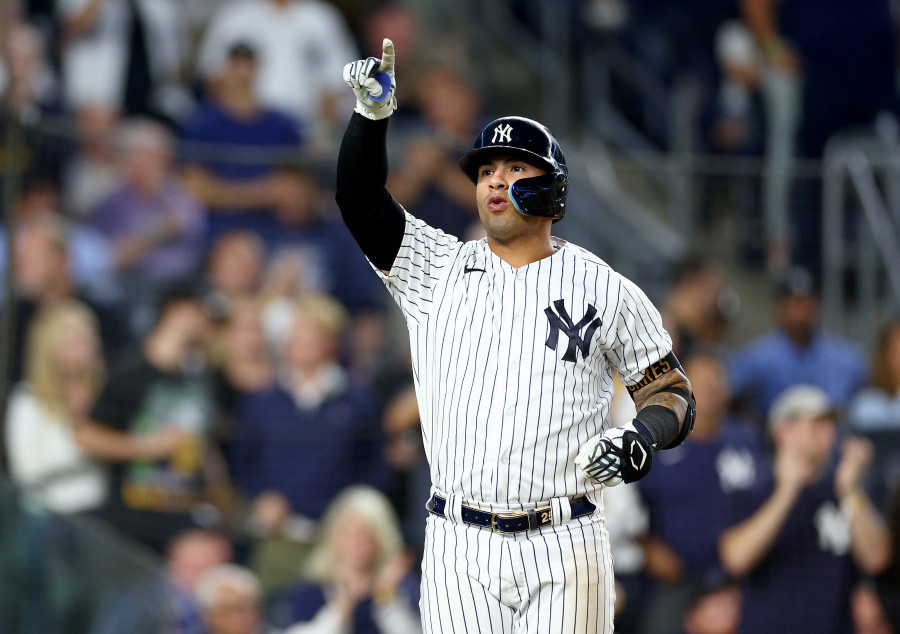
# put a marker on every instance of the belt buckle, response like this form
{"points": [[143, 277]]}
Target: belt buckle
{"points": [[494, 526]]}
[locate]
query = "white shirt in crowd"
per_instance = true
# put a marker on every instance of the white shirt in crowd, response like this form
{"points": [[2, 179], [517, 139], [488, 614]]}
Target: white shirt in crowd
{"points": [[45, 461], [302, 48], [94, 64]]}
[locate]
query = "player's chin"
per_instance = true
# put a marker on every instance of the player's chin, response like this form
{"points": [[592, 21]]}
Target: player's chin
{"points": [[502, 221]]}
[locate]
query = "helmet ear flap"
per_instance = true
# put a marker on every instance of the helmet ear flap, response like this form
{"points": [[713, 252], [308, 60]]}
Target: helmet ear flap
{"points": [[541, 196]]}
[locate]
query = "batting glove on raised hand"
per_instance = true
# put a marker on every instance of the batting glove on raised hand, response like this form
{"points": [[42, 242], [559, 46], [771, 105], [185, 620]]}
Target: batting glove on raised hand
{"points": [[621, 454], [373, 83]]}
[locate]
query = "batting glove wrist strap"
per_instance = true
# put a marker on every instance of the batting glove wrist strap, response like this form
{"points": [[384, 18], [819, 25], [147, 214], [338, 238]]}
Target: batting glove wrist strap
{"points": [[369, 79], [622, 454]]}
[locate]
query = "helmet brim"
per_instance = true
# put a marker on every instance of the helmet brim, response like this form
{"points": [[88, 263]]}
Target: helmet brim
{"points": [[472, 160]]}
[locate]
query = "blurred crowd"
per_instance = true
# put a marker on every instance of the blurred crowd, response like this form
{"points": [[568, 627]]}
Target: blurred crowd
{"points": [[770, 84], [204, 362]]}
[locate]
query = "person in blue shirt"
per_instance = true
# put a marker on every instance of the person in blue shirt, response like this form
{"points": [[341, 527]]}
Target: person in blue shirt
{"points": [[686, 494], [796, 351], [800, 537], [231, 148], [313, 432], [316, 245]]}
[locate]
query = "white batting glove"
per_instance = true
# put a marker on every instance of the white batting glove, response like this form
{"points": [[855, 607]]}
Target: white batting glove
{"points": [[361, 77], [617, 455]]}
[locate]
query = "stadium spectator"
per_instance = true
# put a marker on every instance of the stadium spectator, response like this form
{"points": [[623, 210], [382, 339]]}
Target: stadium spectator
{"points": [[94, 171], [313, 426], [302, 46], [695, 311], [797, 351], [686, 496], [153, 223], [170, 603], [888, 583], [845, 55], [832, 67], [877, 407], [29, 97], [64, 371], [312, 251], [43, 278], [231, 599], [90, 255], [151, 423], [800, 535], [235, 182], [426, 179], [394, 20], [125, 55], [736, 126], [235, 266], [25, 76], [244, 358], [359, 574]]}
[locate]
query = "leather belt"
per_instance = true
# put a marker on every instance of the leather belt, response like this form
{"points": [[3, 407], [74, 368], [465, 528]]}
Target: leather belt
{"points": [[510, 522]]}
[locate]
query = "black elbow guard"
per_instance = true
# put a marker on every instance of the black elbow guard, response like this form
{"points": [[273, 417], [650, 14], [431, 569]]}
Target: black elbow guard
{"points": [[688, 425]]}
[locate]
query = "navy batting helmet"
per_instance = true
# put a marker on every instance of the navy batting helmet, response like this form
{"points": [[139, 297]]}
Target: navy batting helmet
{"points": [[544, 195]]}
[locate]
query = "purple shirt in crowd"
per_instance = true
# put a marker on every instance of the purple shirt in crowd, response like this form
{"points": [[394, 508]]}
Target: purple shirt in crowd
{"points": [[125, 213]]}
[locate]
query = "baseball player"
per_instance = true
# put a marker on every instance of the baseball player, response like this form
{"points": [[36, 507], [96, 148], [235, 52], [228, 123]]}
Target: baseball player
{"points": [[514, 338]]}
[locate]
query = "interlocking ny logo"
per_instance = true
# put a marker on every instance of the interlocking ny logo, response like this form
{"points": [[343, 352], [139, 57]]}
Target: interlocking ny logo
{"points": [[560, 320], [502, 134]]}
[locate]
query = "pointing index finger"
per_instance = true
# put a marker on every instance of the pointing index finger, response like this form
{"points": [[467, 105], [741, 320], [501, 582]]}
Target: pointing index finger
{"points": [[387, 56]]}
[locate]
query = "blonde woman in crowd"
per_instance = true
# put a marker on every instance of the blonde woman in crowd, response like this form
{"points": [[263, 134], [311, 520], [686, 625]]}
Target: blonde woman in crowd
{"points": [[359, 572], [64, 372]]}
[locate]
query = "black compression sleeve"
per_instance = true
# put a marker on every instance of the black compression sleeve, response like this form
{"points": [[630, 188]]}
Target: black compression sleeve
{"points": [[661, 422], [374, 218]]}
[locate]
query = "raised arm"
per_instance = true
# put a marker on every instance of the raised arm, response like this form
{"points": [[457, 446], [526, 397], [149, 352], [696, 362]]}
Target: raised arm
{"points": [[372, 215], [745, 544], [870, 539]]}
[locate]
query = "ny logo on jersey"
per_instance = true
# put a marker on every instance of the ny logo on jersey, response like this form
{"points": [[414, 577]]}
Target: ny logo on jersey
{"points": [[560, 320], [502, 134]]}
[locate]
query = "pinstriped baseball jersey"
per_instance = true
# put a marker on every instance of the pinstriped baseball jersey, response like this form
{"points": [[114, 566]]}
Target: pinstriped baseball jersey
{"points": [[513, 367]]}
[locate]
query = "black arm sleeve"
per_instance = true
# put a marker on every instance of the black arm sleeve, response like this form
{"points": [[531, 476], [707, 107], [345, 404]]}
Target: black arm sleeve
{"points": [[374, 218]]}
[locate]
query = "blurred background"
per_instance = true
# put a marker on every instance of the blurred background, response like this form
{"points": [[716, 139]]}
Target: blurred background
{"points": [[208, 421]]}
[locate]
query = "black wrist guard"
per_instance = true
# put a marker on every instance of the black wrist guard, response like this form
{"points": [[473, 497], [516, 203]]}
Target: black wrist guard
{"points": [[636, 455]]}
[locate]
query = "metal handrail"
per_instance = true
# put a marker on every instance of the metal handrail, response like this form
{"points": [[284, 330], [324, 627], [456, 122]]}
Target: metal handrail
{"points": [[877, 214], [852, 167]]}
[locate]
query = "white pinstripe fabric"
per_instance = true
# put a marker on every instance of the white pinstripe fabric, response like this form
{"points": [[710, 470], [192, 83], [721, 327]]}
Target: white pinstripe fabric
{"points": [[556, 580], [506, 398], [503, 415]]}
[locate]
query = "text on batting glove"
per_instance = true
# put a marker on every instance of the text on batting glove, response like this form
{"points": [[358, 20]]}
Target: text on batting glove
{"points": [[360, 76], [617, 455]]}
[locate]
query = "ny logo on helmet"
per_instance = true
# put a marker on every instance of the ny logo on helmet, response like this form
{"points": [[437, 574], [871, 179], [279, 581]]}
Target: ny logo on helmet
{"points": [[560, 320], [502, 134]]}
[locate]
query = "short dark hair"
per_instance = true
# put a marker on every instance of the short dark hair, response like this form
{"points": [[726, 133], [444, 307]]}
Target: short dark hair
{"points": [[242, 49], [797, 282]]}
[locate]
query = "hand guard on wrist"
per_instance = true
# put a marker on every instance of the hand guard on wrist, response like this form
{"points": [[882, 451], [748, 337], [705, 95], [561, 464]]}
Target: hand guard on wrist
{"points": [[360, 76], [621, 454]]}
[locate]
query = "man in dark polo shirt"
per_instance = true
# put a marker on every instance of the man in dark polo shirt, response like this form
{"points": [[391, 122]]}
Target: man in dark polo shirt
{"points": [[151, 423], [800, 538]]}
